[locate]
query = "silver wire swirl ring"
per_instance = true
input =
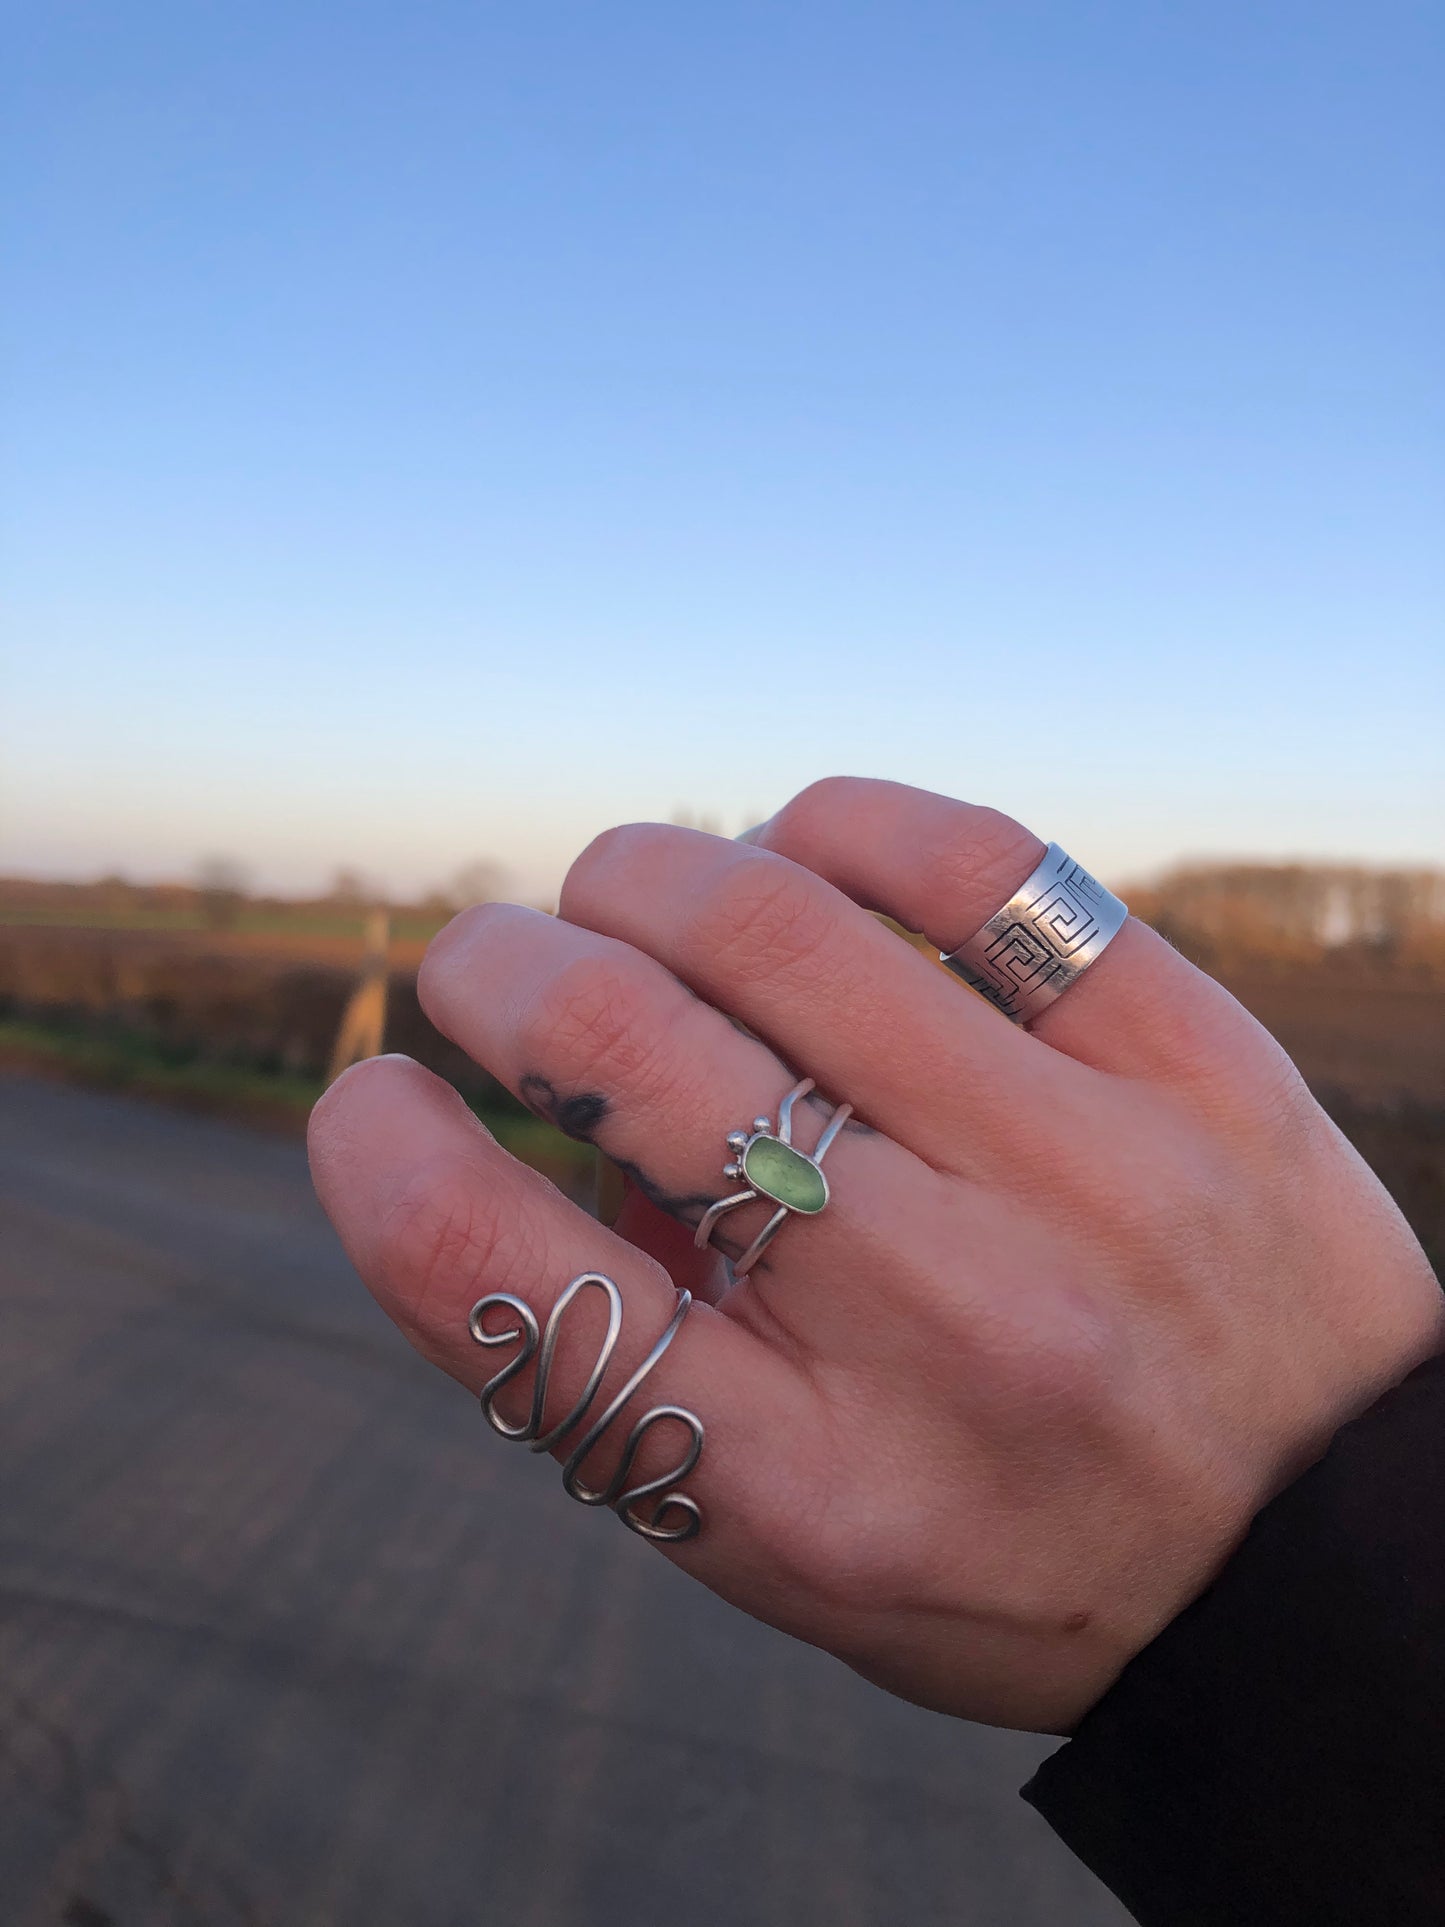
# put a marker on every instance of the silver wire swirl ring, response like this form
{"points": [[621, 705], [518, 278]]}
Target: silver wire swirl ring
{"points": [[541, 1342]]}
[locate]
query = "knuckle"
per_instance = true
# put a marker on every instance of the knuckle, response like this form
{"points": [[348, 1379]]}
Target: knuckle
{"points": [[1049, 1372], [1276, 1102], [806, 818], [761, 920], [1053, 1360], [829, 1546], [1241, 1084], [839, 1566], [624, 850], [1161, 1193], [980, 855], [596, 1021], [453, 946], [446, 1232]]}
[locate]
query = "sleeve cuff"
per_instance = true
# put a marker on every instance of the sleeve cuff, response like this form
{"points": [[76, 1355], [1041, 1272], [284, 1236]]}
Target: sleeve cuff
{"points": [[1277, 1755]]}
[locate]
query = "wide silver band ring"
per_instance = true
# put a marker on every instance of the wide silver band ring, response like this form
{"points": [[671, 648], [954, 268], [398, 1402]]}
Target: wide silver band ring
{"points": [[773, 1167], [1044, 938]]}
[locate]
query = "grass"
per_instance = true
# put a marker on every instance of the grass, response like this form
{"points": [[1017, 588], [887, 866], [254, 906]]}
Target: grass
{"points": [[118, 1060], [262, 923]]}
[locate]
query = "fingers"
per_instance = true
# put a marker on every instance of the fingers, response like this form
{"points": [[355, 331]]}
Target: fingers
{"points": [[834, 991], [436, 1216], [670, 1243], [943, 868], [612, 1048]]}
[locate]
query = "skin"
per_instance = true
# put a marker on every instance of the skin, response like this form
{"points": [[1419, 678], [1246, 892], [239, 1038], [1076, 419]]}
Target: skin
{"points": [[1085, 1297]]}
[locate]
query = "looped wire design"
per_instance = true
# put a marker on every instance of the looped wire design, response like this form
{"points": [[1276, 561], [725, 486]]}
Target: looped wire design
{"points": [[541, 1343]]}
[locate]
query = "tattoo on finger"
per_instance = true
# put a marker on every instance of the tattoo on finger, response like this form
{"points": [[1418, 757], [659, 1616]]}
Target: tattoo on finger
{"points": [[581, 1116], [576, 1117]]}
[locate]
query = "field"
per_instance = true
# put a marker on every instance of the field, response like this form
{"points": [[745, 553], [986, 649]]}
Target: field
{"points": [[238, 1022], [241, 1019]]}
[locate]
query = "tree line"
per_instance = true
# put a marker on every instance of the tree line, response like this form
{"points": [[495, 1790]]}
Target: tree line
{"points": [[1227, 913]]}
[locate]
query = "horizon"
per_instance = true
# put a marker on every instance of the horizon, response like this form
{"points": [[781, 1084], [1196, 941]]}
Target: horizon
{"points": [[354, 889]]}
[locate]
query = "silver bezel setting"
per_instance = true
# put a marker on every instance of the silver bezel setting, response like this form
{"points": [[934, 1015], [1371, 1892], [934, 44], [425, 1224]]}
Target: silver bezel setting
{"points": [[740, 1143]]}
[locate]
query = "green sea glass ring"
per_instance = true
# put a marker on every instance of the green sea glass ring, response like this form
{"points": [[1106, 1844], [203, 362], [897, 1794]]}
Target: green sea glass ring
{"points": [[771, 1166]]}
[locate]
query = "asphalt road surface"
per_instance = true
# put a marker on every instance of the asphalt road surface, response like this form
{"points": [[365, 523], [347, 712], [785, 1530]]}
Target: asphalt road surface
{"points": [[288, 1639]]}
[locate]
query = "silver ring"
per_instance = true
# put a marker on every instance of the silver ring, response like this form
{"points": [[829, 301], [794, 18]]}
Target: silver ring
{"points": [[773, 1167], [1044, 938], [623, 1499]]}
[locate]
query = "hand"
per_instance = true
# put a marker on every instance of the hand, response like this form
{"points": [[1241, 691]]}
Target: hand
{"points": [[1082, 1300]]}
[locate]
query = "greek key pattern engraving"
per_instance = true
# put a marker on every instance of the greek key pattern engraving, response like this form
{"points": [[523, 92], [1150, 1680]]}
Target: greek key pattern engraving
{"points": [[1044, 937]]}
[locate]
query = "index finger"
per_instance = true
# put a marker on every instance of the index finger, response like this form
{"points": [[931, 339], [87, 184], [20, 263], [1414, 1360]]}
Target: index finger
{"points": [[437, 1217]]}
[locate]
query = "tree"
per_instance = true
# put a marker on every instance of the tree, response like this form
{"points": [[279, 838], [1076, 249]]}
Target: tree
{"points": [[223, 884], [686, 819], [481, 881], [350, 887]]}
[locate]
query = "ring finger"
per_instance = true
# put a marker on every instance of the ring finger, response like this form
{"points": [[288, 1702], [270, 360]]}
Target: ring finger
{"points": [[943, 867], [604, 1042]]}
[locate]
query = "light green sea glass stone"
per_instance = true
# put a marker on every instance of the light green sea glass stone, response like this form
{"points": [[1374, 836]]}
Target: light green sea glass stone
{"points": [[784, 1175]]}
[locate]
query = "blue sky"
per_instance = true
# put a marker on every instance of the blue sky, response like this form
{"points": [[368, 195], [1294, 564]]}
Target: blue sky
{"points": [[437, 430]]}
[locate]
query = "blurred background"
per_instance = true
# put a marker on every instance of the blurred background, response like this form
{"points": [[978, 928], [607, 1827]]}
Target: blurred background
{"points": [[433, 434]]}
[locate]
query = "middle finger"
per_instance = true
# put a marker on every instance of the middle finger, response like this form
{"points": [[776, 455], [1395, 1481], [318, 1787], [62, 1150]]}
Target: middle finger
{"points": [[802, 965], [611, 1048]]}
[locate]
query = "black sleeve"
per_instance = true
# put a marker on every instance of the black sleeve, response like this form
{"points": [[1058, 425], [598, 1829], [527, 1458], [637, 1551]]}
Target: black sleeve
{"points": [[1277, 1755]]}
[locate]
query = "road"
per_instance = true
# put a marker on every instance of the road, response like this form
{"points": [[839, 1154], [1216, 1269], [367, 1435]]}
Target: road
{"points": [[288, 1639]]}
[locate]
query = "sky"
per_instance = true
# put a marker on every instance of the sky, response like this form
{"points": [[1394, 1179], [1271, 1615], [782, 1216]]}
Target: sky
{"points": [[436, 431]]}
